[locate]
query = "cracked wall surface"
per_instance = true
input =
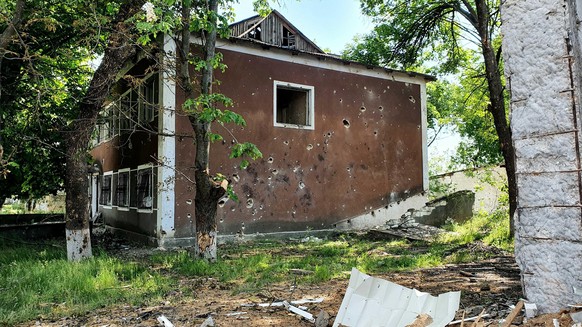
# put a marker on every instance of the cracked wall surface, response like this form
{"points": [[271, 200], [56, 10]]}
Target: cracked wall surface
{"points": [[542, 54]]}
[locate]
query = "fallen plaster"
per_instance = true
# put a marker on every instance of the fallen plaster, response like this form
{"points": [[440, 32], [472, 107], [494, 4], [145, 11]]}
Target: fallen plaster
{"points": [[381, 216], [374, 302]]}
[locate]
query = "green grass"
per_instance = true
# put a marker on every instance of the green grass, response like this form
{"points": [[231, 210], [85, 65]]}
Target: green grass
{"points": [[256, 265], [491, 229], [37, 281]]}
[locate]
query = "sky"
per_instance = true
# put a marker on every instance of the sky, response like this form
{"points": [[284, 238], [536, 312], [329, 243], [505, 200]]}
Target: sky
{"points": [[331, 24]]}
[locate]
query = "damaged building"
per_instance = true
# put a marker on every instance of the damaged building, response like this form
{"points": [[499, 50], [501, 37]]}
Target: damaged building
{"points": [[344, 144]]}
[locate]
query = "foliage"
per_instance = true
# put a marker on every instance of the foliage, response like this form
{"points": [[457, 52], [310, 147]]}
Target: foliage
{"points": [[463, 105], [41, 76], [490, 228]]}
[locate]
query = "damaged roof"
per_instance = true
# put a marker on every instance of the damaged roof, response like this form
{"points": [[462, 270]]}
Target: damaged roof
{"points": [[274, 30]]}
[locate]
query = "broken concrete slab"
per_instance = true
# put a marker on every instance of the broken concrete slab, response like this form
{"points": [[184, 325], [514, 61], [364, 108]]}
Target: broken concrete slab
{"points": [[375, 302], [322, 319], [531, 309]]}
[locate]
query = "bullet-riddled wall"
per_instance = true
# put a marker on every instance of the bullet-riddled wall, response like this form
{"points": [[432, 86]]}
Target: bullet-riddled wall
{"points": [[364, 150]]}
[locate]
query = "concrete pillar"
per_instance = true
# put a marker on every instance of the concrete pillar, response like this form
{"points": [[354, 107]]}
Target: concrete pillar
{"points": [[542, 66]]}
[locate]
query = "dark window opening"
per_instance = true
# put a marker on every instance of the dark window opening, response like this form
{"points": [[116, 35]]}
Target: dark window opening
{"points": [[144, 189], [255, 33], [150, 94], [105, 198], [292, 106], [288, 38], [122, 190]]}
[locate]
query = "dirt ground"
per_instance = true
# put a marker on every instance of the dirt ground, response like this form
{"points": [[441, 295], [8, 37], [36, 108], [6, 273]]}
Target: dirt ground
{"points": [[492, 285]]}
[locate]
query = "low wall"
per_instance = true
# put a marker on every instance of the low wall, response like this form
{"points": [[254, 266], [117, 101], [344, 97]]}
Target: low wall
{"points": [[33, 226], [457, 207]]}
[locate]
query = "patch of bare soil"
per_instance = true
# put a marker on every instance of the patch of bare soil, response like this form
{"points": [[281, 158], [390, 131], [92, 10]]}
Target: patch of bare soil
{"points": [[492, 285]]}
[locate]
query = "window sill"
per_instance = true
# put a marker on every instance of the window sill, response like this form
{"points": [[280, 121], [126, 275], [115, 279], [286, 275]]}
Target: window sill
{"points": [[306, 127]]}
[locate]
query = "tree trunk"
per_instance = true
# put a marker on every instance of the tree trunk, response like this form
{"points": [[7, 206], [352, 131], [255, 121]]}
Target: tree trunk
{"points": [[208, 192], [497, 106], [119, 50]]}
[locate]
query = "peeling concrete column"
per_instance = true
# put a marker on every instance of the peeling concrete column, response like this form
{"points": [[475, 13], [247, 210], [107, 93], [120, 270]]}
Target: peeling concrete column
{"points": [[542, 67]]}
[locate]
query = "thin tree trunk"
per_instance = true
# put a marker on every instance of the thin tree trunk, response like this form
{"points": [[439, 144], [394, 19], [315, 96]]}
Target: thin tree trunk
{"points": [[207, 191], [497, 106], [119, 50]]}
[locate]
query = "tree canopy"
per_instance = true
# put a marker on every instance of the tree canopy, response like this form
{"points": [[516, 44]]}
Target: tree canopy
{"points": [[43, 71]]}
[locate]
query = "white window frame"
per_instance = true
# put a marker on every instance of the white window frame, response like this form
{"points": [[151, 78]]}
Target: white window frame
{"points": [[143, 167], [127, 190], [107, 206], [310, 112]]}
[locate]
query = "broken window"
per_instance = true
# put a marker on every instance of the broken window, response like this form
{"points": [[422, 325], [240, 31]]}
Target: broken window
{"points": [[144, 197], [149, 100], [293, 105], [122, 114], [105, 198], [122, 189], [255, 33], [288, 38], [127, 110]]}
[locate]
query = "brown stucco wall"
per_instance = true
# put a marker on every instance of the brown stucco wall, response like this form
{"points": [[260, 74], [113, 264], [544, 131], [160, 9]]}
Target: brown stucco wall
{"points": [[309, 178]]}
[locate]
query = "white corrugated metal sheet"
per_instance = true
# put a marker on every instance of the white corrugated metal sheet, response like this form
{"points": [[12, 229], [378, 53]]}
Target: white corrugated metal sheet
{"points": [[375, 302]]}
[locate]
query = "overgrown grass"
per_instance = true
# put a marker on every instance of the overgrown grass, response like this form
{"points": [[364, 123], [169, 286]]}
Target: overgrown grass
{"points": [[253, 266], [37, 281], [491, 229]]}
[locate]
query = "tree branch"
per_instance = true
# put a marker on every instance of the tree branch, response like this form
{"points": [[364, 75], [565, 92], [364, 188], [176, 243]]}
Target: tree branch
{"points": [[12, 27]]}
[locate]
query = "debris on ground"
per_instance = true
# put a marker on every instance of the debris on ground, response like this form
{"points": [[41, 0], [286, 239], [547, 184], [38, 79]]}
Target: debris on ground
{"points": [[165, 321], [374, 301], [308, 316], [493, 285], [209, 322], [422, 320], [322, 319], [418, 232]]}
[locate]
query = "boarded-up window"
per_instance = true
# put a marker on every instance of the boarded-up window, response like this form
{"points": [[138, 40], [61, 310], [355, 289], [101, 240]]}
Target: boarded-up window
{"points": [[293, 105]]}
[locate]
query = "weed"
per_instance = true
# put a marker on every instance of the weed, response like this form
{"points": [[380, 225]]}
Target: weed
{"points": [[39, 281]]}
